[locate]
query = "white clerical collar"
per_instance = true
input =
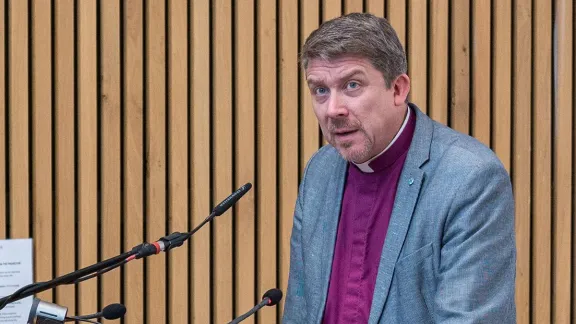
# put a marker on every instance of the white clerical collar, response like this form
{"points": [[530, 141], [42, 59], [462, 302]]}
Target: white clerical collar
{"points": [[365, 166]]}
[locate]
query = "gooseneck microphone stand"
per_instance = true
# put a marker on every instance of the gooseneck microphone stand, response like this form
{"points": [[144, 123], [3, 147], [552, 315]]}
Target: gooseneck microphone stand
{"points": [[69, 278], [165, 244]]}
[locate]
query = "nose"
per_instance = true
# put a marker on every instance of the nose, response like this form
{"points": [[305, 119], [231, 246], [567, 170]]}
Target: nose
{"points": [[336, 106]]}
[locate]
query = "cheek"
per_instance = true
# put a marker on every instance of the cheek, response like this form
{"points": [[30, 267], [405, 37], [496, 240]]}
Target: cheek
{"points": [[318, 112]]}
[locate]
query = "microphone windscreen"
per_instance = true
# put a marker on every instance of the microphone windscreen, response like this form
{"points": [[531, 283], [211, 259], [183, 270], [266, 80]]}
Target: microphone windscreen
{"points": [[275, 296], [231, 200], [113, 311]]}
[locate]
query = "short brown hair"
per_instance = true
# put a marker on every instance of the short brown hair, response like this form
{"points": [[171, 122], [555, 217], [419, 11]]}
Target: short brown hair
{"points": [[360, 34]]}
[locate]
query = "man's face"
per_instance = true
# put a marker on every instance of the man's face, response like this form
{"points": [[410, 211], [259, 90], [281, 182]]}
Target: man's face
{"points": [[357, 113]]}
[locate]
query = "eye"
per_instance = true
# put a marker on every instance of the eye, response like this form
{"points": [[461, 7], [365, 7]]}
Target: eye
{"points": [[352, 85], [320, 91]]}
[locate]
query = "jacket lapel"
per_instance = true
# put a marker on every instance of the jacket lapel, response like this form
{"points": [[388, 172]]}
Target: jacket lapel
{"points": [[409, 186]]}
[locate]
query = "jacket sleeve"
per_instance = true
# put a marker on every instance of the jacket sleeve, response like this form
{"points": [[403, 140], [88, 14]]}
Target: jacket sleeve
{"points": [[295, 305], [477, 269]]}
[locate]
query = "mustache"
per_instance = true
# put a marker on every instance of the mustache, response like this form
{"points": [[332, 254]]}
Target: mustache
{"points": [[336, 124]]}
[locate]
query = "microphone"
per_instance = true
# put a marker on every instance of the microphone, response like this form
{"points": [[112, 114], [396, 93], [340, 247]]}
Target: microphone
{"points": [[110, 312], [176, 239], [165, 244], [222, 207], [270, 298]]}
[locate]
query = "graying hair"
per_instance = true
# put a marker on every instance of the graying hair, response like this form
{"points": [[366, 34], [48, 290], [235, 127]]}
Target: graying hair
{"points": [[358, 34]]}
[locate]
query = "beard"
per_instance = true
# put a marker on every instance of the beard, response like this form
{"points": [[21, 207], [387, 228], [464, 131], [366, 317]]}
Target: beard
{"points": [[352, 151]]}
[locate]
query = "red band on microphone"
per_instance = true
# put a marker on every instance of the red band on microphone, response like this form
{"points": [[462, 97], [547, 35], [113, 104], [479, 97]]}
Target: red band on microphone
{"points": [[157, 245]]}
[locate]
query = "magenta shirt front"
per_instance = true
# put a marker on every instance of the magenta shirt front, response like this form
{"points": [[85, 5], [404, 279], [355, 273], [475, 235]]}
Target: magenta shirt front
{"points": [[366, 209]]}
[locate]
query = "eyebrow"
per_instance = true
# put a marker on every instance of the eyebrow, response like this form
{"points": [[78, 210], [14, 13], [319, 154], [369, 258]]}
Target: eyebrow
{"points": [[313, 81]]}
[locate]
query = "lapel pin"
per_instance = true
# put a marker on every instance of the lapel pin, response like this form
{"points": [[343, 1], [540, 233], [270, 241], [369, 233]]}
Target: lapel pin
{"points": [[411, 181]]}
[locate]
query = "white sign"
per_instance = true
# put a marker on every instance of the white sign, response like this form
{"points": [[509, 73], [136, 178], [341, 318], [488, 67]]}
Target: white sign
{"points": [[15, 273]]}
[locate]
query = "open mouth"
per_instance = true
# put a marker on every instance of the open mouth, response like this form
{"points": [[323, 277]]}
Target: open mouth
{"points": [[345, 133]]}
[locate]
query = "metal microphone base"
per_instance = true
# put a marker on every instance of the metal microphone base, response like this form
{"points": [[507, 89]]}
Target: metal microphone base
{"points": [[46, 313]]}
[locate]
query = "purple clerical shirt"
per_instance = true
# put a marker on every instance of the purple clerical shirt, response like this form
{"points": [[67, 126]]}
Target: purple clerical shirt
{"points": [[365, 214]]}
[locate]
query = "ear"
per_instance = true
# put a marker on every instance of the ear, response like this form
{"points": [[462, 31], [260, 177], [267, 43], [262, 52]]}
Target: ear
{"points": [[401, 89]]}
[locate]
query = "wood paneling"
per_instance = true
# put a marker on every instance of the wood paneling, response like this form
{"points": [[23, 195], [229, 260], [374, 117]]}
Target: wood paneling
{"points": [[221, 150], [87, 137], [178, 157], [133, 158], [200, 159], [18, 120], [481, 29], [3, 102], [501, 80], [267, 158], [287, 133], [155, 152], [110, 156], [417, 52], [439, 49], [542, 162], [64, 147], [460, 69], [522, 150], [563, 91], [42, 116], [309, 134], [245, 156], [124, 121]]}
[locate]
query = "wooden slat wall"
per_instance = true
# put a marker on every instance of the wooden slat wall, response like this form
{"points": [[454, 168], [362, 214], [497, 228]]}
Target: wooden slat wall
{"points": [[522, 144], [123, 121]]}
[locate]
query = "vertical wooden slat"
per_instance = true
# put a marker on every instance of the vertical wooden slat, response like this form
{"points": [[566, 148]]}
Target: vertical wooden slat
{"points": [[522, 160], [222, 154], [288, 136], [87, 155], [64, 146], [267, 154], [331, 9], [200, 159], [541, 92], [133, 121], [244, 105], [309, 130], [178, 153], [351, 6], [397, 17], [460, 74], [563, 100], [481, 39], [18, 121], [3, 170], [376, 7], [417, 53], [41, 142], [438, 79], [155, 134], [110, 149], [501, 81], [573, 263]]}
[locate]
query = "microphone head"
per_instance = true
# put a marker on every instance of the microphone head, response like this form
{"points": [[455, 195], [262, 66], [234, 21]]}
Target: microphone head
{"points": [[231, 200], [113, 311], [275, 295]]}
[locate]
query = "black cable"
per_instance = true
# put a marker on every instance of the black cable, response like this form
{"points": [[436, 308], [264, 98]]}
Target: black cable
{"points": [[95, 274]]}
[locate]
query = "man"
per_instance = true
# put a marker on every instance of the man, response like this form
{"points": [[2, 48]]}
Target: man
{"points": [[399, 219]]}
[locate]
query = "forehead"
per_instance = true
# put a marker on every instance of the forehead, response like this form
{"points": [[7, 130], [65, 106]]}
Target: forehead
{"points": [[323, 70]]}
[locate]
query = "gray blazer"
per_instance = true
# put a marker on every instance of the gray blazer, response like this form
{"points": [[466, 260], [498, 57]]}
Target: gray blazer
{"points": [[449, 254]]}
